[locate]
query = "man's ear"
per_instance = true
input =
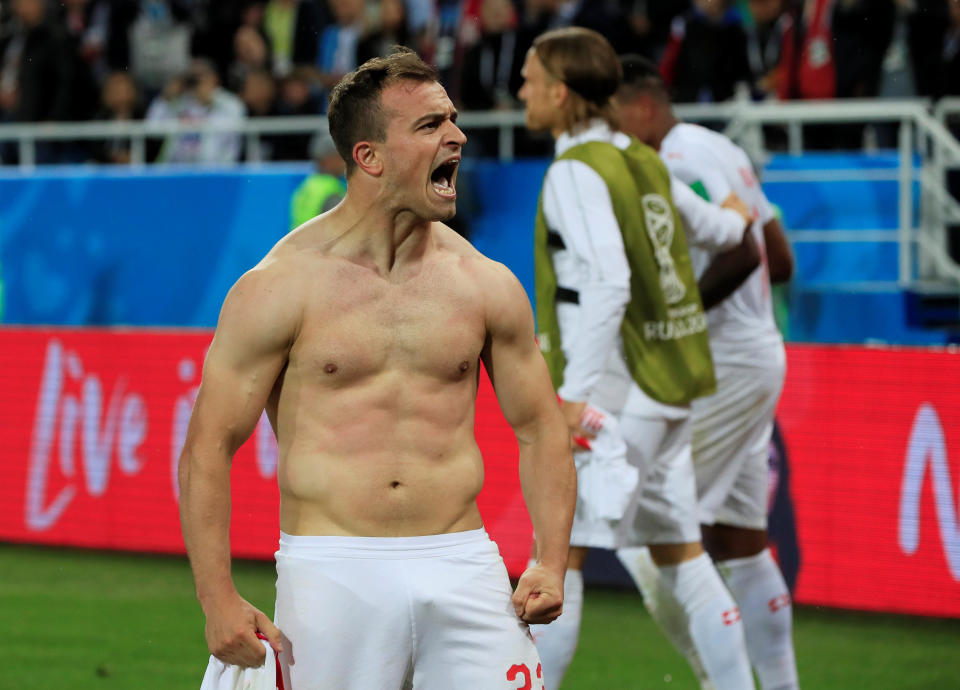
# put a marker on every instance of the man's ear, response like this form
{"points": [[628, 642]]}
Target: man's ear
{"points": [[367, 158], [560, 93]]}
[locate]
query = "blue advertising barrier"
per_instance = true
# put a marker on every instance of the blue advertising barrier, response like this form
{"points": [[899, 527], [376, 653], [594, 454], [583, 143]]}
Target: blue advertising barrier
{"points": [[96, 246], [161, 246]]}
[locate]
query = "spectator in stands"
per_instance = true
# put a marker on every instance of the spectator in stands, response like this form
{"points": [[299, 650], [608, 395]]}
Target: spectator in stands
{"points": [[603, 16], [491, 66], [251, 53], [159, 44], [119, 102], [808, 67], [862, 34], [259, 93], [295, 98], [292, 27], [390, 30], [706, 59], [764, 26], [87, 23], [41, 77], [930, 46], [201, 101], [215, 26], [259, 96], [807, 62], [37, 67], [337, 48], [650, 22], [951, 48], [490, 76], [325, 187], [862, 30]]}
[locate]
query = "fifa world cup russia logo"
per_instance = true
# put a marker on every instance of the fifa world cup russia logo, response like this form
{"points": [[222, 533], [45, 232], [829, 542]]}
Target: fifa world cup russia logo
{"points": [[658, 218]]}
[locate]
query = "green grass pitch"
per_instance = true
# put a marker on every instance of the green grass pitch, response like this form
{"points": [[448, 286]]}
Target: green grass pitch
{"points": [[81, 620]]}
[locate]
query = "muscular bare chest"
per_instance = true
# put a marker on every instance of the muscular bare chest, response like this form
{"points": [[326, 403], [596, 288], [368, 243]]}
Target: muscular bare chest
{"points": [[357, 325]]}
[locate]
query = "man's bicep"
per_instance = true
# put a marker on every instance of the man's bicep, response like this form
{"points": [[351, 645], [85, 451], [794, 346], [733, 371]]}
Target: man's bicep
{"points": [[232, 395], [520, 379], [241, 366], [513, 361]]}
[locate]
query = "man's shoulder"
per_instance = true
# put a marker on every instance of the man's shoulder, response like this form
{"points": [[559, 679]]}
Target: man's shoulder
{"points": [[226, 103], [604, 158], [695, 141], [455, 246], [682, 137], [470, 261], [296, 254]]}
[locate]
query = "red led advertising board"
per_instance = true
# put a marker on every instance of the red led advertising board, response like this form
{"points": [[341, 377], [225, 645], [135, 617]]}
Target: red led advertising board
{"points": [[91, 425], [92, 421], [873, 445]]}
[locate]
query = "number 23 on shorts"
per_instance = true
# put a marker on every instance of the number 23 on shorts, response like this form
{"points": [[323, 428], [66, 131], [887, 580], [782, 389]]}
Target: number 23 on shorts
{"points": [[518, 669]]}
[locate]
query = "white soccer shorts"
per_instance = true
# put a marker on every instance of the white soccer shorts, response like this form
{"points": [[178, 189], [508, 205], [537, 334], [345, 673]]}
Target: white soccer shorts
{"points": [[431, 612], [731, 443], [655, 504]]}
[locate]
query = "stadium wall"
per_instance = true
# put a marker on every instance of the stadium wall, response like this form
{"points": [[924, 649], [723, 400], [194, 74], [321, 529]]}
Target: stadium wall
{"points": [[161, 246], [864, 513]]}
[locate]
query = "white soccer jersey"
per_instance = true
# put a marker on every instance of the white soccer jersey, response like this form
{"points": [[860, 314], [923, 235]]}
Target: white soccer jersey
{"points": [[743, 324]]}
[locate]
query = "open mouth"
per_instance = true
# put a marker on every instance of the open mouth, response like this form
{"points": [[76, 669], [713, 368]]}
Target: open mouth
{"points": [[443, 178]]}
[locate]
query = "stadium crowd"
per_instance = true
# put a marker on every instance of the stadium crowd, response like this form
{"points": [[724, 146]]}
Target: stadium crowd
{"points": [[224, 60]]}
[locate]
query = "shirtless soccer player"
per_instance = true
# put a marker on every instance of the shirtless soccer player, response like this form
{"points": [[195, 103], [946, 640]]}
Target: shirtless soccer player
{"points": [[623, 330], [361, 334], [732, 428]]}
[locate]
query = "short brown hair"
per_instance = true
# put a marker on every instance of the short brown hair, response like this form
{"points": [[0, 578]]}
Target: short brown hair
{"points": [[586, 62], [355, 112]]}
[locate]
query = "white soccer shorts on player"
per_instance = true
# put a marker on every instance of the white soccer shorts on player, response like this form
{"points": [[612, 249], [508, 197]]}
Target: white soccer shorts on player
{"points": [[433, 612], [731, 443], [660, 508]]}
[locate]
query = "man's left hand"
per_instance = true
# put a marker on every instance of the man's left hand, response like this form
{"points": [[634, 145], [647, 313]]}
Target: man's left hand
{"points": [[539, 595]]}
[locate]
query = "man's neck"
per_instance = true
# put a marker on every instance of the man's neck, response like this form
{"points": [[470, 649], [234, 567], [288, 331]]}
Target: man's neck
{"points": [[377, 233], [667, 122], [596, 124]]}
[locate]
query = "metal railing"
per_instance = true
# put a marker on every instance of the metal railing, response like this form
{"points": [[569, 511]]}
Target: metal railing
{"points": [[926, 150]]}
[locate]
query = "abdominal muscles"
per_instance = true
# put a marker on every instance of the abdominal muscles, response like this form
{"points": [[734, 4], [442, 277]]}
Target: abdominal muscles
{"points": [[392, 454]]}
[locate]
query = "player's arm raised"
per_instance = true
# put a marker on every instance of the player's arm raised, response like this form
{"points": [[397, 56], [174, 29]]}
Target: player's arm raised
{"points": [[257, 324], [547, 473]]}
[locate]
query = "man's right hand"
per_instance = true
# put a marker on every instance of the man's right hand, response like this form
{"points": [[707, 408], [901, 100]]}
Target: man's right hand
{"points": [[737, 204], [231, 631]]}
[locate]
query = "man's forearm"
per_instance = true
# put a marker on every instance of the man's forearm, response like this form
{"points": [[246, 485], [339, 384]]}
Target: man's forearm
{"points": [[205, 522], [728, 271], [548, 478]]}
